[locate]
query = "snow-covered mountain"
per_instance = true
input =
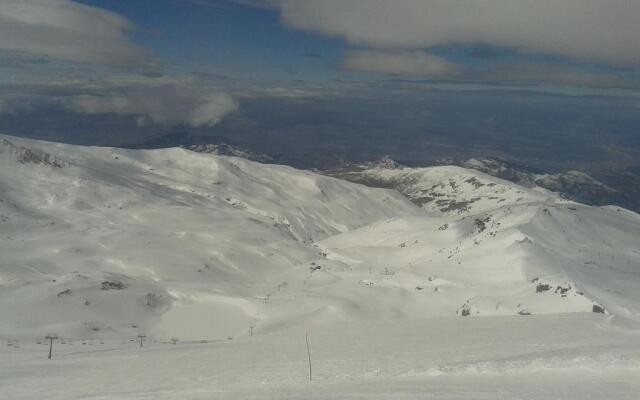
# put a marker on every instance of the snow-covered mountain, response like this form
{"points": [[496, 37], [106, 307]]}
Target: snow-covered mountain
{"points": [[101, 239], [573, 185], [110, 242], [490, 241], [446, 190], [224, 149]]}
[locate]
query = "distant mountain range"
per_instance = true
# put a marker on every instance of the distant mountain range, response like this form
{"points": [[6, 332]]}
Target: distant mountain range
{"points": [[572, 184]]}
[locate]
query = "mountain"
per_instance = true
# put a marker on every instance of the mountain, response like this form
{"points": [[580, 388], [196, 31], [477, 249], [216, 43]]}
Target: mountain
{"points": [[104, 242], [528, 241], [445, 190], [224, 149], [573, 185]]}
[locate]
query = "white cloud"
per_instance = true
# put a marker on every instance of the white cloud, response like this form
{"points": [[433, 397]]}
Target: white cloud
{"points": [[69, 31], [601, 30], [211, 110], [554, 74], [290, 93], [166, 105], [413, 63], [421, 64]]}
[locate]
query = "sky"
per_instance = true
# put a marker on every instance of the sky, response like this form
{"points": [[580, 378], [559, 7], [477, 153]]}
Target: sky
{"points": [[160, 65]]}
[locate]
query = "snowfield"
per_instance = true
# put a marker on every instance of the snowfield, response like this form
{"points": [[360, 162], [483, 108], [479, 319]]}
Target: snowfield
{"points": [[464, 286], [562, 356]]}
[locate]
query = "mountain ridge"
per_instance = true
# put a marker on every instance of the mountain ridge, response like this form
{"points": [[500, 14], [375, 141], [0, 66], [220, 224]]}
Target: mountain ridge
{"points": [[116, 241]]}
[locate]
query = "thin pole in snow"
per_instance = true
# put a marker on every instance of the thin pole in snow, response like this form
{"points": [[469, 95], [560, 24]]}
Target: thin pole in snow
{"points": [[306, 338]]}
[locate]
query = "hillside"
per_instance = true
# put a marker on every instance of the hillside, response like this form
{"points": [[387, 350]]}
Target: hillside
{"points": [[444, 190], [107, 241], [103, 242]]}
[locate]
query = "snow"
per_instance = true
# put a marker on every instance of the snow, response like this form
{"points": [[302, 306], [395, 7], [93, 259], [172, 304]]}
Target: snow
{"points": [[490, 293], [163, 223], [568, 356], [448, 190]]}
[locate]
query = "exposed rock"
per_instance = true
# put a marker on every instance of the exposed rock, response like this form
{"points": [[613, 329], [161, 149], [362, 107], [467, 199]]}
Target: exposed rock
{"points": [[465, 310], [543, 287], [25, 155], [562, 290], [224, 149], [113, 285]]}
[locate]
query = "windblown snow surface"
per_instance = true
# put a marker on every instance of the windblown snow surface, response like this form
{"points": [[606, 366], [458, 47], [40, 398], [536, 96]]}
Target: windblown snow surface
{"points": [[487, 291]]}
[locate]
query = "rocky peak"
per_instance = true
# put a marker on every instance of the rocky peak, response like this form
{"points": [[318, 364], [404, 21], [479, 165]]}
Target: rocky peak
{"points": [[25, 155]]}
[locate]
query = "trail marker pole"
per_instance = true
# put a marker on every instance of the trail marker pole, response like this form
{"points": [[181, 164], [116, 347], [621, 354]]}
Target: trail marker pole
{"points": [[306, 338], [141, 337], [51, 337]]}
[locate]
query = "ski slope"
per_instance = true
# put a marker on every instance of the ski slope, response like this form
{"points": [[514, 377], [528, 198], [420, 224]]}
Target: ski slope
{"points": [[561, 356], [455, 285]]}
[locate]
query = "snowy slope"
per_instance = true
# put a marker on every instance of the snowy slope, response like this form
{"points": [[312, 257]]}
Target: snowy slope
{"points": [[535, 258], [446, 190], [490, 290], [562, 356], [491, 247], [100, 242]]}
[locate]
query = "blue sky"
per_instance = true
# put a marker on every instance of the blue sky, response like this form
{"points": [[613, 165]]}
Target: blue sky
{"points": [[268, 46], [246, 42], [227, 38]]}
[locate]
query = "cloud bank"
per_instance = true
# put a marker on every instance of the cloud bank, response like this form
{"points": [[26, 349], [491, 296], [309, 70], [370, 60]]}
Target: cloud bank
{"points": [[63, 29], [163, 105], [415, 63], [37, 31], [585, 30], [424, 65]]}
